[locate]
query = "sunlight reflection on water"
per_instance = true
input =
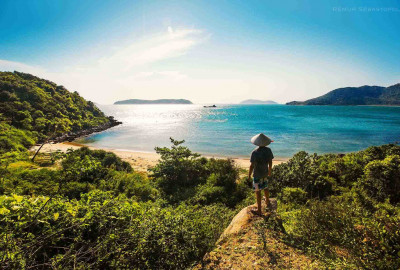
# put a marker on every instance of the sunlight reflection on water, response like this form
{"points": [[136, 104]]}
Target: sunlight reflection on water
{"points": [[226, 130]]}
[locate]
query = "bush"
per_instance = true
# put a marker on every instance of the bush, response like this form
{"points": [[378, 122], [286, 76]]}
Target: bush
{"points": [[133, 185], [82, 171], [30, 182], [101, 231], [343, 235], [295, 196], [13, 139], [103, 158], [355, 224], [185, 176], [302, 171], [381, 180], [179, 171]]}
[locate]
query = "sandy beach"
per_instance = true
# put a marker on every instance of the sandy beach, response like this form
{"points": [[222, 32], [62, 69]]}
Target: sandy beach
{"points": [[140, 161]]}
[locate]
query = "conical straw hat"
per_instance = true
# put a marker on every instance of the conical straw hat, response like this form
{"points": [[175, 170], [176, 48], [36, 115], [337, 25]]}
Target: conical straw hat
{"points": [[261, 140]]}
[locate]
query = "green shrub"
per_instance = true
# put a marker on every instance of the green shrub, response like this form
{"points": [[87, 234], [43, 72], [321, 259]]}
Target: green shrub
{"points": [[185, 176], [133, 185], [357, 226], [302, 171], [293, 196], [30, 182], [179, 171], [382, 179], [343, 235], [101, 231], [102, 158], [13, 139]]}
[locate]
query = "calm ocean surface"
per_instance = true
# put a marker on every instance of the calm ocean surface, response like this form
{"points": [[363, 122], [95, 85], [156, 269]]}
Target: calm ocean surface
{"points": [[227, 129]]}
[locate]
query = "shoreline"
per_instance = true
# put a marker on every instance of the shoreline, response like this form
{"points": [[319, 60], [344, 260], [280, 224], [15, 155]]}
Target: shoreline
{"points": [[73, 135], [140, 161]]}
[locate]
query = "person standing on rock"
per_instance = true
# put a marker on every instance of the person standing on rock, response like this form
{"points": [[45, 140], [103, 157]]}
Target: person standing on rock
{"points": [[261, 167]]}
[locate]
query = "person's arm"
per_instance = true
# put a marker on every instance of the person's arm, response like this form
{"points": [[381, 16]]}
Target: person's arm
{"points": [[251, 170], [269, 167], [270, 163]]}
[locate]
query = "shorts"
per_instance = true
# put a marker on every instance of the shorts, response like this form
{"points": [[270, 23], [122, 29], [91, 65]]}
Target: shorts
{"points": [[260, 184]]}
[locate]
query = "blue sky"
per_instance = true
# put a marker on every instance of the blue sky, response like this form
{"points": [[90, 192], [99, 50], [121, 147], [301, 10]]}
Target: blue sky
{"points": [[206, 51]]}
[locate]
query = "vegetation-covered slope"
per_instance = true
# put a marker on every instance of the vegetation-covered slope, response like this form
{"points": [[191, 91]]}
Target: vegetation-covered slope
{"points": [[94, 212], [37, 105], [342, 211], [364, 95]]}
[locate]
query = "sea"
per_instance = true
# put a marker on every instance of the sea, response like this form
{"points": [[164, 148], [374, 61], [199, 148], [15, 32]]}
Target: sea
{"points": [[225, 131]]}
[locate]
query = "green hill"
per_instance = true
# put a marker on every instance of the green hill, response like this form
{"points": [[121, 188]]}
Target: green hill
{"points": [[364, 95], [257, 101], [32, 109], [157, 101]]}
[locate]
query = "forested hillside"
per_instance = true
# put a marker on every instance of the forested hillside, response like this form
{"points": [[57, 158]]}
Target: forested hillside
{"points": [[31, 109], [364, 95]]}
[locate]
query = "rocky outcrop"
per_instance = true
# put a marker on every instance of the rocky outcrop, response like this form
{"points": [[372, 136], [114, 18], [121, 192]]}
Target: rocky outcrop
{"points": [[244, 218], [247, 243], [71, 136]]}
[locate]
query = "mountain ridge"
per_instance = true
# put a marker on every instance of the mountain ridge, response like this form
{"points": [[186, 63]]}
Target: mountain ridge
{"points": [[363, 95]]}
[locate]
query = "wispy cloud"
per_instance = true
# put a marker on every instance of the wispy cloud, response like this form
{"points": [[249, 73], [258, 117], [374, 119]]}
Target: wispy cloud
{"points": [[156, 48], [125, 68]]}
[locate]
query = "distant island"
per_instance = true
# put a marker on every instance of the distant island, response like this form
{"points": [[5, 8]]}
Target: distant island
{"points": [[256, 101], [364, 95], [156, 101]]}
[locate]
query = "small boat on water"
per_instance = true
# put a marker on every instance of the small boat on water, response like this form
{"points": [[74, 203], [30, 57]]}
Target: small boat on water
{"points": [[213, 106]]}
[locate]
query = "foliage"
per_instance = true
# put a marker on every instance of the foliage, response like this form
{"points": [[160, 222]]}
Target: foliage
{"points": [[352, 219], [178, 171], [322, 176], [185, 176], [95, 212], [293, 196], [102, 231], [302, 171], [37, 105], [381, 180], [91, 210], [103, 158], [222, 185], [82, 170], [13, 142]]}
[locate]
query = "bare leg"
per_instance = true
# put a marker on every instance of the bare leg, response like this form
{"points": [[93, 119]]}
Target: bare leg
{"points": [[266, 194], [258, 195]]}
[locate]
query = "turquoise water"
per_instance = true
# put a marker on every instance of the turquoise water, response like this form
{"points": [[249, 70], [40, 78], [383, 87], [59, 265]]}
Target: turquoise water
{"points": [[226, 130]]}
